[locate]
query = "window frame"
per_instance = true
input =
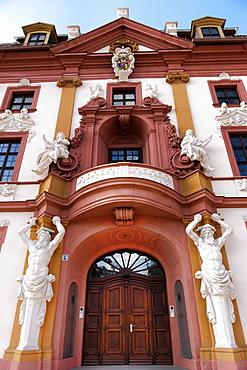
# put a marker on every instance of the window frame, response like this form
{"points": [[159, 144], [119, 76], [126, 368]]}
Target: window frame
{"points": [[123, 92], [208, 28], [123, 86], [125, 148], [241, 91], [45, 41], [10, 91], [226, 131], [13, 136]]}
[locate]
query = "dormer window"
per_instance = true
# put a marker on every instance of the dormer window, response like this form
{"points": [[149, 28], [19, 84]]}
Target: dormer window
{"points": [[210, 32], [207, 27], [37, 39], [40, 34]]}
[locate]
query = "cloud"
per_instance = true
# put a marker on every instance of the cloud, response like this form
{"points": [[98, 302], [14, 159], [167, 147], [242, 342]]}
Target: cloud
{"points": [[8, 30]]}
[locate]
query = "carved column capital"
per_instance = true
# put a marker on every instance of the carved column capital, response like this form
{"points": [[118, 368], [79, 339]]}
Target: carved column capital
{"points": [[69, 82], [177, 77]]}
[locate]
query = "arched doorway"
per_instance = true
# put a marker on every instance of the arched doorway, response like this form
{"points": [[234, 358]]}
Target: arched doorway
{"points": [[127, 318]]}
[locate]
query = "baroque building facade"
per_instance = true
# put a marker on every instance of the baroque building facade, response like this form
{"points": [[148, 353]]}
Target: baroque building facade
{"points": [[119, 142]]}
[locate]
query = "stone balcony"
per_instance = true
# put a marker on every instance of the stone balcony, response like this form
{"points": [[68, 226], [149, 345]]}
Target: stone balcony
{"points": [[124, 170]]}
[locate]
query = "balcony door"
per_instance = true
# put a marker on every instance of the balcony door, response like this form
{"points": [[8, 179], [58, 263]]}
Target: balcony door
{"points": [[127, 316]]}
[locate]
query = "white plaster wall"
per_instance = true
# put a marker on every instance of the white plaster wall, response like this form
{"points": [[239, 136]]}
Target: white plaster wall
{"points": [[228, 188], [236, 248], [164, 92], [12, 257], [203, 115], [45, 119]]}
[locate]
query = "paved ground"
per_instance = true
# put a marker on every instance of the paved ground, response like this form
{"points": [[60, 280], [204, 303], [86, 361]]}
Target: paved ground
{"points": [[129, 367]]}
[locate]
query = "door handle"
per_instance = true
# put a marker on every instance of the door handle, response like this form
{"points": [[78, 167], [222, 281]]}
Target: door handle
{"points": [[131, 327]]}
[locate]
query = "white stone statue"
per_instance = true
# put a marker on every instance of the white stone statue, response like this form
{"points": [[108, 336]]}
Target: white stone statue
{"points": [[151, 92], [224, 109], [194, 148], [57, 149], [216, 285], [6, 114], [123, 62], [24, 113], [35, 286], [96, 93]]}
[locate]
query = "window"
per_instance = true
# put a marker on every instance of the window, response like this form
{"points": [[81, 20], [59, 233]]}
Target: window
{"points": [[37, 39], [123, 97], [232, 92], [8, 155], [239, 146], [227, 95], [19, 97], [210, 32], [20, 101], [125, 155]]}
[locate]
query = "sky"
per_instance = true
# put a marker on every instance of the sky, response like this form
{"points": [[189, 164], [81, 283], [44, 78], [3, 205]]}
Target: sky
{"points": [[90, 14]]}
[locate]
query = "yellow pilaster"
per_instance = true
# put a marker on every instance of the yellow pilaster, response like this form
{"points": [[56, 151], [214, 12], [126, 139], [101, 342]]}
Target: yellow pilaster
{"points": [[207, 350], [182, 106], [195, 182], [45, 340], [64, 118]]}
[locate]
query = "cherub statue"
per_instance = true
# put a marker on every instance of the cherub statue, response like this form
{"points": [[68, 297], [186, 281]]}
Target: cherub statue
{"points": [[224, 109], [57, 149], [24, 113], [194, 149], [6, 114], [151, 92], [95, 93]]}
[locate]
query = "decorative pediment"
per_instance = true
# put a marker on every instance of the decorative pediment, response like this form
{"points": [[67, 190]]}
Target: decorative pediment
{"points": [[233, 117], [122, 28], [10, 122]]}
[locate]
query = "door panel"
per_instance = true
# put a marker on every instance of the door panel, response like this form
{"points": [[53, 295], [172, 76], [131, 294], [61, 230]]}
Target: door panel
{"points": [[127, 321], [113, 346], [139, 339]]}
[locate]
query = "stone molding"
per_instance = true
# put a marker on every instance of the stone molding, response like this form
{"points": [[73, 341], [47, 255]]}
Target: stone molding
{"points": [[233, 117], [124, 170], [7, 189], [10, 122]]}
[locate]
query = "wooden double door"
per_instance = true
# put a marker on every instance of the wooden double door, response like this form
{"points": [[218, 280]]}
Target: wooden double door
{"points": [[127, 321]]}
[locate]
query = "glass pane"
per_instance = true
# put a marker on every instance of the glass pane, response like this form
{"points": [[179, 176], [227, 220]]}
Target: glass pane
{"points": [[130, 96], [118, 96], [42, 36], [11, 159], [118, 103], [239, 154], [130, 102], [235, 142], [7, 175], [17, 100], [4, 147], [33, 37], [14, 147], [243, 169], [244, 141]]}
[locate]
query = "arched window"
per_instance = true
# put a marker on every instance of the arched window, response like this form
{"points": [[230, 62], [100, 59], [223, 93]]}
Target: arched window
{"points": [[69, 337], [126, 261], [184, 338]]}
